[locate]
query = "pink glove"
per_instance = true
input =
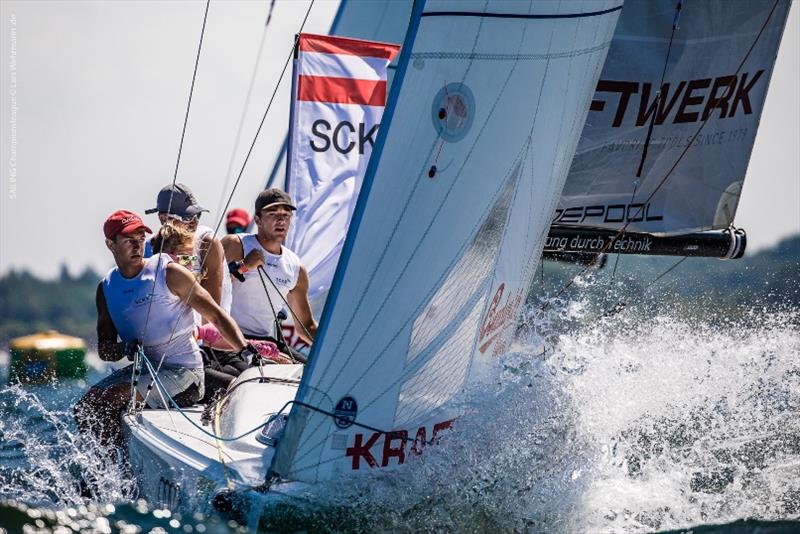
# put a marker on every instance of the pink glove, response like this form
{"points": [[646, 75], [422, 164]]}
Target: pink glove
{"points": [[269, 351], [208, 334]]}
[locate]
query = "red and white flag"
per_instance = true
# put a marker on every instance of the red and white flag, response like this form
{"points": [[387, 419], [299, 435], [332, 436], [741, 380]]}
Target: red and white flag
{"points": [[340, 88]]}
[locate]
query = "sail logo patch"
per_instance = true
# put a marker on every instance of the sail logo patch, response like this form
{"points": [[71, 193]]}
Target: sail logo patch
{"points": [[345, 412], [453, 111], [613, 213], [686, 101], [497, 319]]}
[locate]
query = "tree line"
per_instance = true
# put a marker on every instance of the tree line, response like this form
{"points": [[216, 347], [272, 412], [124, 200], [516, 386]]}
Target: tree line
{"points": [[701, 287]]}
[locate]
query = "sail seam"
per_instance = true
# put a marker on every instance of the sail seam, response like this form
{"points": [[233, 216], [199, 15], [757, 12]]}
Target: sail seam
{"points": [[521, 15], [508, 57]]}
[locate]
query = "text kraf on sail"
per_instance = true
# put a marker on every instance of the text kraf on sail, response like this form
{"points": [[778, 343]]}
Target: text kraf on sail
{"points": [[680, 102]]}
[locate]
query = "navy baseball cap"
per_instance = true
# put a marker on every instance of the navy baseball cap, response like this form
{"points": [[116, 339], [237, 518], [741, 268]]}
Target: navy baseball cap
{"points": [[183, 202]]}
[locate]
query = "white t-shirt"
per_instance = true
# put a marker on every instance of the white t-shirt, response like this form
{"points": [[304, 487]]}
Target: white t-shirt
{"points": [[250, 306]]}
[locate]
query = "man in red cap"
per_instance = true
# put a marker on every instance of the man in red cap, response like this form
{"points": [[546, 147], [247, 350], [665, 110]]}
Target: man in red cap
{"points": [[148, 304], [236, 221]]}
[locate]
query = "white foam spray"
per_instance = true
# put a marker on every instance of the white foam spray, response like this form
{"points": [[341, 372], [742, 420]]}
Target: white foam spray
{"points": [[633, 423], [47, 462]]}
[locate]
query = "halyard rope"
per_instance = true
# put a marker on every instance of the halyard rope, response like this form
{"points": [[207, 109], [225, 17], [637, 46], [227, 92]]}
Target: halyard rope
{"points": [[246, 107], [236, 183]]}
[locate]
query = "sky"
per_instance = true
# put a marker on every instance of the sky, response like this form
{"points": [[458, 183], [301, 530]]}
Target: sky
{"points": [[94, 97]]}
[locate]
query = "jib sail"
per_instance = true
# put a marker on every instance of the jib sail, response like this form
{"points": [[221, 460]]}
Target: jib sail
{"points": [[479, 131]]}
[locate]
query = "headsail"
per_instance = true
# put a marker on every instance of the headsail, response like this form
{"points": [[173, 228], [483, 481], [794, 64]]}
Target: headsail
{"points": [[704, 81], [339, 94], [485, 114], [376, 20]]}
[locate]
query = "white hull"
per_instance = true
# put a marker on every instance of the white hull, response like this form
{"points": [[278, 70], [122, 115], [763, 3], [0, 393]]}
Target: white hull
{"points": [[180, 467]]}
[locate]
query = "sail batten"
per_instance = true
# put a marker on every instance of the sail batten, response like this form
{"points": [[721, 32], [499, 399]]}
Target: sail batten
{"points": [[452, 215]]}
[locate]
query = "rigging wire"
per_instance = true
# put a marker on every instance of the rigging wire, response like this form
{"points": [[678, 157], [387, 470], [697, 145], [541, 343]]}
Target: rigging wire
{"points": [[659, 99], [689, 144], [253, 76], [263, 119], [236, 183], [132, 404], [658, 102], [298, 321], [278, 332]]}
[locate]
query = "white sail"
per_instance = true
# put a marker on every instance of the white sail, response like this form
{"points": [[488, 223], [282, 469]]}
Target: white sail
{"points": [[376, 20], [483, 120], [705, 62], [337, 104]]}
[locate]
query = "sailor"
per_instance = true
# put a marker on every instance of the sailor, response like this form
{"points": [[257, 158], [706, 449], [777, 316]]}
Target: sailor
{"points": [[177, 205], [259, 261], [236, 221], [148, 303]]}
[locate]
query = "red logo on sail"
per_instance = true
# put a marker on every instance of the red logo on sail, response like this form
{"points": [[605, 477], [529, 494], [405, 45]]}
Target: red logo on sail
{"points": [[395, 445], [497, 319]]}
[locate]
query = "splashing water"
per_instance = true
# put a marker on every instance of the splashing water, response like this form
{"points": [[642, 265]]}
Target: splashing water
{"points": [[47, 462], [632, 423], [692, 423], [629, 424]]}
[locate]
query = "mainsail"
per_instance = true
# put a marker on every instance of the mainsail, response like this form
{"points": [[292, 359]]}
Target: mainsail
{"points": [[483, 119], [716, 68]]}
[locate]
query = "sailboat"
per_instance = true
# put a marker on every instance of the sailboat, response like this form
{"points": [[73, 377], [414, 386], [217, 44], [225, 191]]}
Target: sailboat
{"points": [[487, 108]]}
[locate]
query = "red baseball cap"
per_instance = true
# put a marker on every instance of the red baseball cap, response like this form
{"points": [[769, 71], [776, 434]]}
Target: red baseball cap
{"points": [[238, 216], [123, 222]]}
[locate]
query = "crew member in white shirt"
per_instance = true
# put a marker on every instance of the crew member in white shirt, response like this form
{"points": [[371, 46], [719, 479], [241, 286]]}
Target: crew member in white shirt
{"points": [[246, 253], [148, 303]]}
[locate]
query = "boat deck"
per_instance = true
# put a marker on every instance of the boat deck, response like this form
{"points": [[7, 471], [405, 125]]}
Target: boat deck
{"points": [[175, 454]]}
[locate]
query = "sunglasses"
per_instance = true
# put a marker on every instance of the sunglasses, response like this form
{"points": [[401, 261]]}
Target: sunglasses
{"points": [[190, 219], [187, 260]]}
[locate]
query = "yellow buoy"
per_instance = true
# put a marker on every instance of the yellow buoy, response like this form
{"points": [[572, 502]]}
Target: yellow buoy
{"points": [[41, 357]]}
